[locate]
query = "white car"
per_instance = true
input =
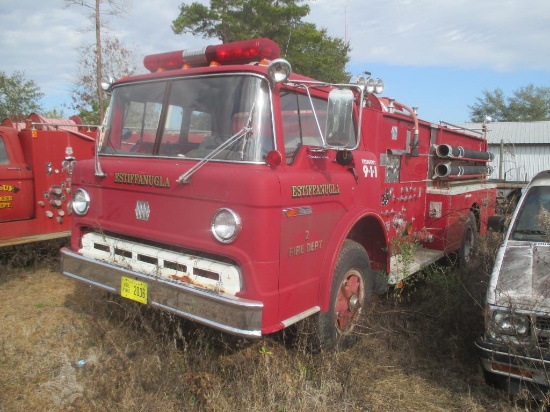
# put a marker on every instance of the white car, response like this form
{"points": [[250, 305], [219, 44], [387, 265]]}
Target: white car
{"points": [[515, 346]]}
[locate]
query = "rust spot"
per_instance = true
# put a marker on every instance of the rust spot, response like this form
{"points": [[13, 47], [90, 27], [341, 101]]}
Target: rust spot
{"points": [[187, 279], [181, 278]]}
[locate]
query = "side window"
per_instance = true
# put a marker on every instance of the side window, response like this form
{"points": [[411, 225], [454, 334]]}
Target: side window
{"points": [[3, 153], [147, 130], [300, 125], [170, 140], [200, 139], [185, 132], [200, 126], [201, 121]]}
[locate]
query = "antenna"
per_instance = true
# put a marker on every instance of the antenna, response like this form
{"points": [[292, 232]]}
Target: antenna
{"points": [[346, 22]]}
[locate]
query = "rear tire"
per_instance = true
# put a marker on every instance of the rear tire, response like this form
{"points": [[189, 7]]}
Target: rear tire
{"points": [[469, 242], [350, 295]]}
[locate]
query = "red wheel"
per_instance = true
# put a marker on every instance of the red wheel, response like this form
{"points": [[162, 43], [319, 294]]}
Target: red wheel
{"points": [[350, 294], [349, 300]]}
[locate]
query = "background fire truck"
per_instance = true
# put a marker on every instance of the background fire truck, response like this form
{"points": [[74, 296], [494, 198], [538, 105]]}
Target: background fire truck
{"points": [[36, 165], [229, 191]]}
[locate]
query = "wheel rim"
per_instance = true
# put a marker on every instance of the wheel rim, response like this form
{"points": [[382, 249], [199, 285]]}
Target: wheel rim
{"points": [[349, 300]]}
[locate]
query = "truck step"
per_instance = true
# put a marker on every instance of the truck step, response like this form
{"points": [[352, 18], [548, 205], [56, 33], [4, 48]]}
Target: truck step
{"points": [[402, 266]]}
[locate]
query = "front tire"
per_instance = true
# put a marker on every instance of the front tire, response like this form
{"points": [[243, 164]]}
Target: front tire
{"points": [[351, 293]]}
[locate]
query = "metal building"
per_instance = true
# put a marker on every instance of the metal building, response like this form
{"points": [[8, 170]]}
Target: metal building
{"points": [[521, 149]]}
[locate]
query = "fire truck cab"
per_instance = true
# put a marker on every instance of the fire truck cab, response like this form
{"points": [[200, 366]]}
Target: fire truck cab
{"points": [[232, 192], [36, 165]]}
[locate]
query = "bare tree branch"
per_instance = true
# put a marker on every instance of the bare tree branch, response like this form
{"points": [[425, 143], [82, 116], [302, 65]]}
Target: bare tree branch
{"points": [[96, 9]]}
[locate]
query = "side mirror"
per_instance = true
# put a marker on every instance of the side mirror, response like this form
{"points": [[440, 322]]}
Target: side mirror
{"points": [[344, 157], [339, 129], [106, 85], [496, 224]]}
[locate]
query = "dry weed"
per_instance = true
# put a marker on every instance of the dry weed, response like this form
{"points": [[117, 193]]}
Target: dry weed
{"points": [[413, 354]]}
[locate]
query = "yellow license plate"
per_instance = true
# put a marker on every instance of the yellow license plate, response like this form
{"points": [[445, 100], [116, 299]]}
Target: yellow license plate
{"points": [[133, 289]]}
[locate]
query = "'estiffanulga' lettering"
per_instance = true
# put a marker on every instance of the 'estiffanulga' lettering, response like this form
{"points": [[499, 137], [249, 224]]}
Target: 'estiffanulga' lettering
{"points": [[329, 189], [142, 179]]}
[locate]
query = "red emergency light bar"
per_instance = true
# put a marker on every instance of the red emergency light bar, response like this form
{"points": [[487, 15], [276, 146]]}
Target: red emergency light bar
{"points": [[239, 52]]}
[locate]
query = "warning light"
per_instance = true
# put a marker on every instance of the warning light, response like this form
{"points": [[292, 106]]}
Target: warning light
{"points": [[274, 158], [239, 52]]}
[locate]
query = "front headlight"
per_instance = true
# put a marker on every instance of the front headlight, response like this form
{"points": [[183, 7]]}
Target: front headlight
{"points": [[225, 225], [510, 324], [81, 202]]}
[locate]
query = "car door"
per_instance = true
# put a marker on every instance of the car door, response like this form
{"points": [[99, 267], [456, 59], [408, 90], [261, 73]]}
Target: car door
{"points": [[16, 184]]}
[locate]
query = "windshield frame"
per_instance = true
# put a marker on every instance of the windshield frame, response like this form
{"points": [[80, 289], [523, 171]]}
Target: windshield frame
{"points": [[263, 88], [316, 89]]}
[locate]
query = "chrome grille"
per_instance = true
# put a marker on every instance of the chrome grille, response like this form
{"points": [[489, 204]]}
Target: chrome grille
{"points": [[162, 263]]}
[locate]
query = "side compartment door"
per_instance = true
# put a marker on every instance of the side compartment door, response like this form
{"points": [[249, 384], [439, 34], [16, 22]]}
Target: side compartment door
{"points": [[16, 184]]}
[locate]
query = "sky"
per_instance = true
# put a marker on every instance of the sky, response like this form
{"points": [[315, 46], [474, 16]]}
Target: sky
{"points": [[437, 55]]}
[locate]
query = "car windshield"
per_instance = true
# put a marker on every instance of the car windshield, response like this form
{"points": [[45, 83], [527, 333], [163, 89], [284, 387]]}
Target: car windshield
{"points": [[191, 117], [533, 219]]}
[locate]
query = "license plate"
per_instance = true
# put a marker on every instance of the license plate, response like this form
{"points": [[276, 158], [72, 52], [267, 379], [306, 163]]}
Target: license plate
{"points": [[133, 289]]}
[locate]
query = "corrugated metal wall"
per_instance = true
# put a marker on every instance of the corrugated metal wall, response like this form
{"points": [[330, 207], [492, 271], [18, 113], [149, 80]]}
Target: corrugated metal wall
{"points": [[526, 148], [521, 162], [518, 132]]}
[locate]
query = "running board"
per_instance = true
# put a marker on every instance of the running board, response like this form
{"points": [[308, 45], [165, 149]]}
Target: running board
{"points": [[402, 266]]}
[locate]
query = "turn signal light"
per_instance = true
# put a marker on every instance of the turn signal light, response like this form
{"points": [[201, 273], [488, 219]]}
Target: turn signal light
{"points": [[273, 158]]}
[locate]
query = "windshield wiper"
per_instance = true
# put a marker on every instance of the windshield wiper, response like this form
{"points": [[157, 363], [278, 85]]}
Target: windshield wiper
{"points": [[244, 132]]}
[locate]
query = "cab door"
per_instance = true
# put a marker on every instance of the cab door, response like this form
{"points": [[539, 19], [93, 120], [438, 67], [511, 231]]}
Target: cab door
{"points": [[316, 193], [16, 183]]}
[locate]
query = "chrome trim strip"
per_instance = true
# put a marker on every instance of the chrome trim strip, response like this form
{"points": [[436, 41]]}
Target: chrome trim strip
{"points": [[91, 282], [220, 311], [536, 366], [300, 316], [543, 362]]}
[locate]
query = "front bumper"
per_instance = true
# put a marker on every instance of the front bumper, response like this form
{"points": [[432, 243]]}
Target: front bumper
{"points": [[221, 311], [527, 365]]}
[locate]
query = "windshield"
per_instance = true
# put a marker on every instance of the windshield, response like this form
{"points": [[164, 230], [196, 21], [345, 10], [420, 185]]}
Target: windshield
{"points": [[533, 219], [189, 118]]}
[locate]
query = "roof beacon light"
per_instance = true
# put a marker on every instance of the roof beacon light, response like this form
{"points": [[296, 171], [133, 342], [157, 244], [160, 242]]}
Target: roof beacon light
{"points": [[239, 52]]}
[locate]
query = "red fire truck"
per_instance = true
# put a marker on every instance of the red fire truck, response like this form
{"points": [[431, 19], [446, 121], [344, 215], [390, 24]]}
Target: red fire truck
{"points": [[36, 166], [230, 191]]}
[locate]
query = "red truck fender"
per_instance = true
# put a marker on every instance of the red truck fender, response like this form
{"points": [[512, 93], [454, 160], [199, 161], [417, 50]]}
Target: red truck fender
{"points": [[350, 222]]}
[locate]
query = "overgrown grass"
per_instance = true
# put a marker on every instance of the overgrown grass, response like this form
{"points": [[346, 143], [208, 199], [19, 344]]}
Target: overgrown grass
{"points": [[414, 353], [43, 254]]}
